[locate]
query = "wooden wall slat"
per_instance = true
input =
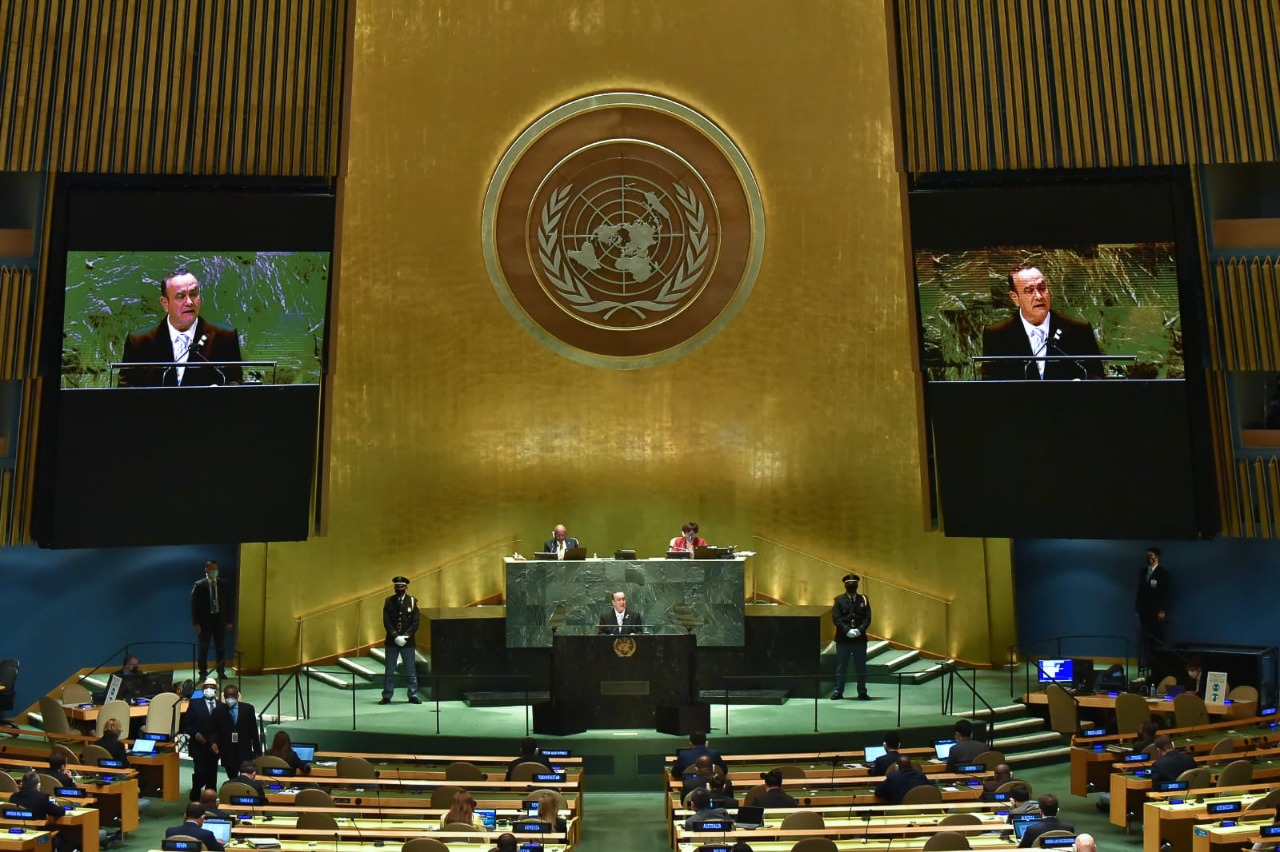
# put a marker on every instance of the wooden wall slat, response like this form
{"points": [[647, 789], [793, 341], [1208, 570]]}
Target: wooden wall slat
{"points": [[247, 87], [1088, 83]]}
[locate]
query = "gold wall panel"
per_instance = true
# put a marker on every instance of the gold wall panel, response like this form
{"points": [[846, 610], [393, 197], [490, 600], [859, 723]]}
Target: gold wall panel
{"points": [[242, 87], [1011, 84], [450, 428]]}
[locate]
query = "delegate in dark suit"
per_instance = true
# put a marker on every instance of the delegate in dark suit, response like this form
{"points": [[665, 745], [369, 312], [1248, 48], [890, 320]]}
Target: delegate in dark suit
{"points": [[1049, 823], [209, 342], [896, 784], [631, 623], [1064, 336], [197, 724], [551, 545], [236, 729], [212, 615], [687, 757], [1151, 602], [199, 832]]}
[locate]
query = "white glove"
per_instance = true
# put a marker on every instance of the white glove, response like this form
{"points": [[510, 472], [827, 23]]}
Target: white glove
{"points": [[400, 640], [854, 633]]}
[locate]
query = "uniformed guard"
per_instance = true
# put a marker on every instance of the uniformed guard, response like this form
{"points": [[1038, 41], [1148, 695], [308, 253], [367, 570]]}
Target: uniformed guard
{"points": [[400, 619]]}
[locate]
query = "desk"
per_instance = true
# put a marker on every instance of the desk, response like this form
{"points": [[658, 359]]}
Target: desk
{"points": [[86, 718], [849, 845], [1214, 838], [158, 771], [1174, 824], [434, 769], [1128, 790], [901, 826], [25, 841], [380, 830], [1108, 702], [79, 826]]}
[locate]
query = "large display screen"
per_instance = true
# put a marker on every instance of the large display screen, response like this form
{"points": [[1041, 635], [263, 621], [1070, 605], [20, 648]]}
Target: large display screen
{"points": [[1060, 335], [263, 307], [185, 358], [1115, 305]]}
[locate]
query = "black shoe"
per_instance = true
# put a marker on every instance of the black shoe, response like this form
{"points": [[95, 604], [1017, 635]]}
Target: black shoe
{"points": [[862, 696], [222, 674], [415, 700], [384, 700], [836, 696]]}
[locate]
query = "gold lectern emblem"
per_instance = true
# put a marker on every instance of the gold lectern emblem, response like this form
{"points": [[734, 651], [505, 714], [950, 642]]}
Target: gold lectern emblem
{"points": [[624, 646], [623, 229]]}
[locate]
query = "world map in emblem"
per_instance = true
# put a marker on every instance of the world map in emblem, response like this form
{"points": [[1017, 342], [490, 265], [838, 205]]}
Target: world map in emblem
{"points": [[623, 230]]}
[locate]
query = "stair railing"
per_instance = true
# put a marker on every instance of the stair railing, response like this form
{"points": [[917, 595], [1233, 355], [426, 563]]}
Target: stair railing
{"points": [[954, 672]]}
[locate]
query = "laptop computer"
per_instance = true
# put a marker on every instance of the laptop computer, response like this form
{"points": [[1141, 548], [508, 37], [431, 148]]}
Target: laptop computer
{"points": [[143, 747], [706, 553], [576, 554], [679, 554], [544, 556], [942, 749], [873, 753], [221, 829], [1174, 690], [1022, 822], [489, 816], [306, 752], [749, 816]]}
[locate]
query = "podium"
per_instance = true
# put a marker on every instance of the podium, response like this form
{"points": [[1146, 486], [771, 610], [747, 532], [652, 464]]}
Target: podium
{"points": [[620, 681]]}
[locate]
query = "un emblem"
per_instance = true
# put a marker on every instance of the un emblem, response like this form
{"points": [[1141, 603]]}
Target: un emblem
{"points": [[623, 230], [624, 647]]}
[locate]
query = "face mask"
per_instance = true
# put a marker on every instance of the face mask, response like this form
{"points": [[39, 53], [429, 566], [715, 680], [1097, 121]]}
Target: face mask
{"points": [[213, 575], [232, 702], [209, 692], [851, 588]]}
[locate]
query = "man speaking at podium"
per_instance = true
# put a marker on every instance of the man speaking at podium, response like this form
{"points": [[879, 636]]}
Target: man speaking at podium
{"points": [[619, 621], [182, 337], [1037, 330]]}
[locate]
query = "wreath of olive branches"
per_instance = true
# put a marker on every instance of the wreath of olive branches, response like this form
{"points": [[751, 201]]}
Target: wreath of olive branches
{"points": [[569, 288]]}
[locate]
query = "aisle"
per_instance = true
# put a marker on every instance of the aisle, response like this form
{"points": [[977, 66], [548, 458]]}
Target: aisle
{"points": [[624, 822]]}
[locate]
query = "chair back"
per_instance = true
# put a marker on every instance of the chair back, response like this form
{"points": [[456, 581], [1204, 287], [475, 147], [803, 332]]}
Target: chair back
{"points": [[75, 693], [187, 838], [1063, 715], [93, 753], [355, 767], [1162, 688], [235, 788], [1007, 787], [55, 718], [804, 819], [961, 819], [1198, 778], [48, 784], [1243, 693], [1188, 710], [162, 715], [525, 770], [459, 826], [313, 798], [262, 761], [1236, 773], [313, 819], [442, 797], [118, 710], [460, 770], [424, 844], [815, 844], [8, 784], [1226, 745], [1271, 800], [946, 840], [789, 770], [753, 794], [925, 794], [1057, 832], [560, 806], [990, 759], [1131, 711]]}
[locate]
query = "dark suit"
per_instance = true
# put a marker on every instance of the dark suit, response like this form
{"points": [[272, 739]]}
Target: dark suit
{"points": [[1065, 337], [198, 721], [883, 762], [1173, 764], [114, 747], [258, 787], [213, 625], [43, 809], [1038, 828], [551, 545], [631, 622], [194, 829], [209, 342], [896, 784], [687, 757], [233, 750], [1151, 598], [965, 751], [774, 797], [851, 613]]}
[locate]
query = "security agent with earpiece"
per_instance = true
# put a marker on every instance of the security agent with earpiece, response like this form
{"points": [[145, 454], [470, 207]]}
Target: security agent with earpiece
{"points": [[400, 619], [851, 613]]}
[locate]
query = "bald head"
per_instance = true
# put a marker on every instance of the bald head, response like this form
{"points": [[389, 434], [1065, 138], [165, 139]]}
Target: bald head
{"points": [[1085, 843], [903, 761]]}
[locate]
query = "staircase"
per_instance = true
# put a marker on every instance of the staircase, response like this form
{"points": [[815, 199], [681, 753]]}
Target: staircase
{"points": [[1023, 738], [365, 671]]}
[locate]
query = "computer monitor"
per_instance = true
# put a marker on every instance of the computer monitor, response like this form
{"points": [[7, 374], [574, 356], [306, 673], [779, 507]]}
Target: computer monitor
{"points": [[1056, 671], [221, 829], [873, 753], [306, 752], [942, 748], [489, 816]]}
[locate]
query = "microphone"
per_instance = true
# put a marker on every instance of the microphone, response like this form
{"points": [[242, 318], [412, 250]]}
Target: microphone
{"points": [[197, 350], [1084, 374], [866, 818]]}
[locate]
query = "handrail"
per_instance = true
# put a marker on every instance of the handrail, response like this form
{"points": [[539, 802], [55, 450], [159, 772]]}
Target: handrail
{"points": [[948, 697], [436, 570], [863, 574]]}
